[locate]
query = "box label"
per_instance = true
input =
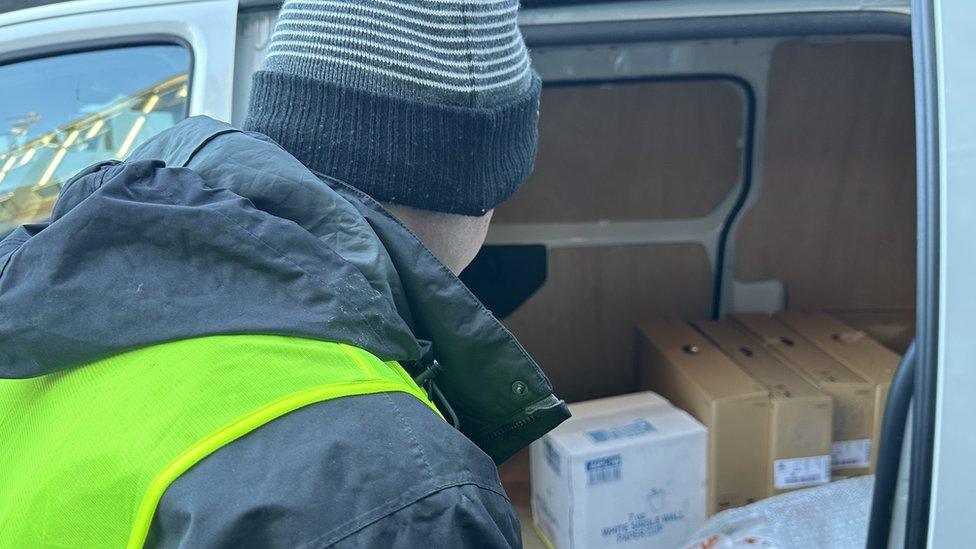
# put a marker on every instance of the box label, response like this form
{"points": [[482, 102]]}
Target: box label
{"points": [[640, 526], [603, 470], [851, 454], [634, 428], [800, 472]]}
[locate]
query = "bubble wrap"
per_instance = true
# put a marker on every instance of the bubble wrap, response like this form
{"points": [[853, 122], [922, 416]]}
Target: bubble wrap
{"points": [[834, 515]]}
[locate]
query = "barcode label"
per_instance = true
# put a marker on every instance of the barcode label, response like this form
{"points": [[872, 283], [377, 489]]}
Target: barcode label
{"points": [[635, 428], [800, 472], [601, 470], [851, 454]]}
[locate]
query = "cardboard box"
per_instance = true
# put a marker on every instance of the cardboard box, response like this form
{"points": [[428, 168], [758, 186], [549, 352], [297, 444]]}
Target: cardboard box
{"points": [[854, 349], [801, 420], [853, 394], [622, 472], [679, 363]]}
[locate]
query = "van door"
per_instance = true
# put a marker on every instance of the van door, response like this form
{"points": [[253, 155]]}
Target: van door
{"points": [[83, 83], [943, 485]]}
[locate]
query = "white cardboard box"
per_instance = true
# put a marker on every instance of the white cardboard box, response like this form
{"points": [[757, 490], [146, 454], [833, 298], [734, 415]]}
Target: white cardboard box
{"points": [[626, 471]]}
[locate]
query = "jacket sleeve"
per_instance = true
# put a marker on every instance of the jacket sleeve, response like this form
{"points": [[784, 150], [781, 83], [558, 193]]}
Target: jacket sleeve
{"points": [[460, 516]]}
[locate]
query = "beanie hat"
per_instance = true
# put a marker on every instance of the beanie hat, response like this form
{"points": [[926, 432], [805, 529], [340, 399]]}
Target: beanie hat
{"points": [[427, 103]]}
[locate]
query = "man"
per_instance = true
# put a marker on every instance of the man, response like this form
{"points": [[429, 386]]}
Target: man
{"points": [[225, 341]]}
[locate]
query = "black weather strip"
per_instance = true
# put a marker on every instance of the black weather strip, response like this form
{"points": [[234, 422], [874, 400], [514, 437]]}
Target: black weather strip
{"points": [[740, 200], [716, 27], [889, 450], [927, 298]]}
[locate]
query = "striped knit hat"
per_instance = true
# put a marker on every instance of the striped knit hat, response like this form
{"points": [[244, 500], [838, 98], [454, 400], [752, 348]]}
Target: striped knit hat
{"points": [[427, 103]]}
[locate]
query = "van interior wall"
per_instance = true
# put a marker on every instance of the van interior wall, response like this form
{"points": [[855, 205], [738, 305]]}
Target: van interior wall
{"points": [[633, 151], [834, 221], [836, 216]]}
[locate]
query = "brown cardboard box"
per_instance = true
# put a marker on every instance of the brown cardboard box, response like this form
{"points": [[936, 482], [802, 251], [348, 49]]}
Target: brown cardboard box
{"points": [[681, 365], [801, 418], [854, 349], [853, 394]]}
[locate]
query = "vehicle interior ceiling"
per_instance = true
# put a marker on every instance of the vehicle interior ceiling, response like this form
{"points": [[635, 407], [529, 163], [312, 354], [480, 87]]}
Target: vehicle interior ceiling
{"points": [[832, 221]]}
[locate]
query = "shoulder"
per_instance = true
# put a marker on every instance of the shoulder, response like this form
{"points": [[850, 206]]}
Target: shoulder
{"points": [[465, 515], [333, 471]]}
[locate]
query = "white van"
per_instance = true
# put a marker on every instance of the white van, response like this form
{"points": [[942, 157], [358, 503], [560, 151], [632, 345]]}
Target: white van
{"points": [[697, 157]]}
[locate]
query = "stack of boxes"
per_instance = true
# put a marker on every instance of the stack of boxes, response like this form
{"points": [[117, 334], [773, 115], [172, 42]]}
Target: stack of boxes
{"points": [[800, 416], [785, 402], [853, 395], [856, 350], [818, 416]]}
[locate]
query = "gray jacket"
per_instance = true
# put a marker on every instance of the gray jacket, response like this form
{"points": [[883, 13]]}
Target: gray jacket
{"points": [[209, 230]]}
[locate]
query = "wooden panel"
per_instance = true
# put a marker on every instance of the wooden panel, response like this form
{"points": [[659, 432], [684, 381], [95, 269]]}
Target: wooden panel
{"points": [[631, 151], [580, 325], [836, 216]]}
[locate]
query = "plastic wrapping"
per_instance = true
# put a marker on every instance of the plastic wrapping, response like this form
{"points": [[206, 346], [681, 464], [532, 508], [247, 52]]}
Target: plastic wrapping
{"points": [[834, 515]]}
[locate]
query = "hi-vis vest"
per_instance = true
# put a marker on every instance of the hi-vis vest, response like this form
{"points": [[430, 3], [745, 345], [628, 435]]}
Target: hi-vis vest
{"points": [[86, 454]]}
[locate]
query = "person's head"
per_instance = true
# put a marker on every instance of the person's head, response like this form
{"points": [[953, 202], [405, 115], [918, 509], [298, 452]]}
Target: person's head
{"points": [[429, 106]]}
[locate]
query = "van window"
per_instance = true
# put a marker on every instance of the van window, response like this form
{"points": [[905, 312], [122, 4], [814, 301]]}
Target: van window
{"points": [[61, 113]]}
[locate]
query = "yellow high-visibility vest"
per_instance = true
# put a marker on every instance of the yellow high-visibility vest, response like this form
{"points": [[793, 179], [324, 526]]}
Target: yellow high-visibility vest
{"points": [[86, 454]]}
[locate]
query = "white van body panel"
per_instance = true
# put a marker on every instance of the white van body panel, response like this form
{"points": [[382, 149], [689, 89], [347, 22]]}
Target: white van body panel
{"points": [[953, 480]]}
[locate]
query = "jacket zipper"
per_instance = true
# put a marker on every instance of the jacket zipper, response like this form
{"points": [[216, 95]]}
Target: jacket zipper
{"points": [[510, 427]]}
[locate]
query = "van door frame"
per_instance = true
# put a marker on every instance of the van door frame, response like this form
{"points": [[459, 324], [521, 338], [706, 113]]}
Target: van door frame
{"points": [[942, 483]]}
